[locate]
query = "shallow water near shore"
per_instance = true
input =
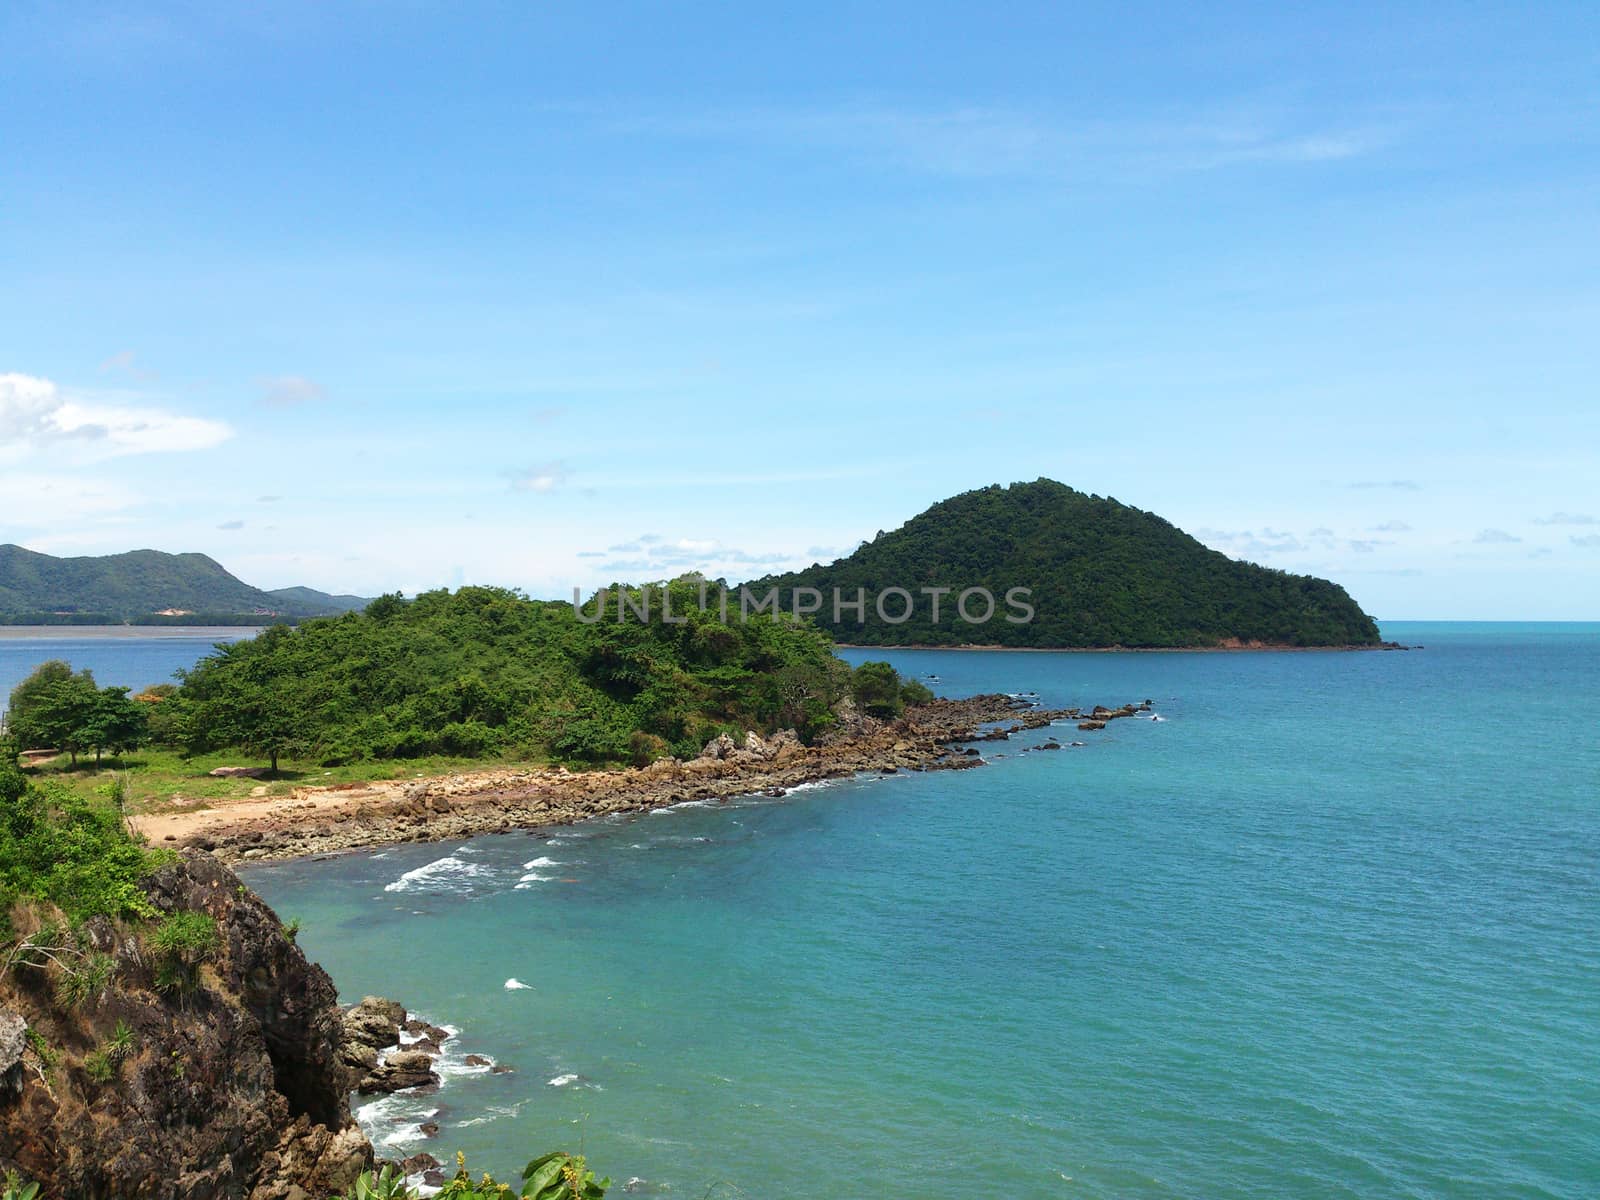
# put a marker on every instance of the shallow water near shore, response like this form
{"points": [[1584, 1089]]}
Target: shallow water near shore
{"points": [[1328, 928]]}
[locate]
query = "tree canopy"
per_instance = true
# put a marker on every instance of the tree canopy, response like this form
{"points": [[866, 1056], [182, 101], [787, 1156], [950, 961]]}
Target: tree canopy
{"points": [[485, 671]]}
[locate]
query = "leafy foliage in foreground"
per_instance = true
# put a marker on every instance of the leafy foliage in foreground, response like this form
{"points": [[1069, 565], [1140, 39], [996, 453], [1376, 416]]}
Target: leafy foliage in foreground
{"points": [[1102, 574], [69, 851], [557, 1176], [484, 671]]}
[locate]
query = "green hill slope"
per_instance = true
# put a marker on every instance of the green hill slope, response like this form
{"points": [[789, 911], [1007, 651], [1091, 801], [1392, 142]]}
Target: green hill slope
{"points": [[142, 582], [1102, 574]]}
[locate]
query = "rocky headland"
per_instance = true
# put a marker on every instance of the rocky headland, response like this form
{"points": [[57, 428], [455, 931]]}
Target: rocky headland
{"points": [[233, 1086], [332, 820]]}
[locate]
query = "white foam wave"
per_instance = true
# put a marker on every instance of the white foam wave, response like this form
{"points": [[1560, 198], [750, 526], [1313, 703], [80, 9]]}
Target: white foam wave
{"points": [[562, 1080], [540, 862], [516, 985], [449, 874]]}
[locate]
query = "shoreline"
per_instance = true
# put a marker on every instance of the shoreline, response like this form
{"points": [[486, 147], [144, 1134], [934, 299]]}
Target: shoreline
{"points": [[1244, 648], [314, 822]]}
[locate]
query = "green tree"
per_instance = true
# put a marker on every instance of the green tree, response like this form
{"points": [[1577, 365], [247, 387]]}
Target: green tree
{"points": [[876, 686], [114, 723], [52, 707]]}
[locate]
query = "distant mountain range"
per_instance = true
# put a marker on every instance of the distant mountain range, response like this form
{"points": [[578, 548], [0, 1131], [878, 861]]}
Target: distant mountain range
{"points": [[1100, 574], [146, 586]]}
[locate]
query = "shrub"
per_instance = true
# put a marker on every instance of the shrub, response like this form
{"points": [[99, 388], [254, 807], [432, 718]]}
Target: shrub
{"points": [[182, 942], [86, 982], [69, 851], [99, 1066]]}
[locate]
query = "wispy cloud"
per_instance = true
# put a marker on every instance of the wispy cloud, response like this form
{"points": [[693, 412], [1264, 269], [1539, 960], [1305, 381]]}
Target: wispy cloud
{"points": [[37, 415], [1397, 485], [126, 363], [1251, 543], [546, 477], [1590, 541], [231, 526], [291, 391], [1566, 518], [985, 141], [1392, 527], [1495, 537]]}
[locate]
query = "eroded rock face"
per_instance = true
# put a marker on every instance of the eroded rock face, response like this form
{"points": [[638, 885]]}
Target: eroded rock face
{"points": [[234, 1091]]}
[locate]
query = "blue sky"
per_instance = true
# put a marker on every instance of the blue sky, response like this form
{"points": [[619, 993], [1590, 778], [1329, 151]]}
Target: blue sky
{"points": [[395, 296]]}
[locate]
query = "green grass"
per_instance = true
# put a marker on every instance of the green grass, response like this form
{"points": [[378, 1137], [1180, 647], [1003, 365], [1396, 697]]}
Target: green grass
{"points": [[155, 777]]}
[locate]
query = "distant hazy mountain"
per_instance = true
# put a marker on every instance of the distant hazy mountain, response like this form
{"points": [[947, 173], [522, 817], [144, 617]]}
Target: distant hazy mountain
{"points": [[142, 584], [1101, 574]]}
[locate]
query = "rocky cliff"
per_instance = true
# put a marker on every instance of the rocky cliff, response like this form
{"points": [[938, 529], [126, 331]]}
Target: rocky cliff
{"points": [[231, 1087]]}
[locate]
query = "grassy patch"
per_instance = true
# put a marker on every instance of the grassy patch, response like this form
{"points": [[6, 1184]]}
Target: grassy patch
{"points": [[155, 777]]}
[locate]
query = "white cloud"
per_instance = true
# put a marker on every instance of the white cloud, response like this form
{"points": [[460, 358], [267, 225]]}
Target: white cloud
{"points": [[1589, 540], [36, 414], [291, 391]]}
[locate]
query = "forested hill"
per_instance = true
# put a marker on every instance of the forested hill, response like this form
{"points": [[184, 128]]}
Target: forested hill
{"points": [[140, 584], [1102, 574]]}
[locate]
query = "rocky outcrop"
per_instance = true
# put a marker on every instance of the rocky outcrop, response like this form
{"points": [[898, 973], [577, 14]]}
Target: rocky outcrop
{"points": [[230, 1088], [333, 820]]}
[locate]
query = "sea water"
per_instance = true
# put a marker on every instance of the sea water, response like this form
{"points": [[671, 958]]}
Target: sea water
{"points": [[118, 655], [1328, 928]]}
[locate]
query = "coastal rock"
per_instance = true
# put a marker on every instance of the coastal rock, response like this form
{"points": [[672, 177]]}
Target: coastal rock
{"points": [[418, 1162], [1091, 724], [478, 1060], [417, 1027], [720, 747], [374, 1022], [399, 1071]]}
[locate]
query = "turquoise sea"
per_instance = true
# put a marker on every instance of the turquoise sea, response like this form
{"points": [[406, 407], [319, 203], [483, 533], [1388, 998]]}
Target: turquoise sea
{"points": [[119, 656], [1330, 928]]}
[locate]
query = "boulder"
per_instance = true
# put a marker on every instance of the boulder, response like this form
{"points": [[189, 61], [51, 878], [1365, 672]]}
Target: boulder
{"points": [[374, 1022], [239, 772], [401, 1070], [720, 747]]}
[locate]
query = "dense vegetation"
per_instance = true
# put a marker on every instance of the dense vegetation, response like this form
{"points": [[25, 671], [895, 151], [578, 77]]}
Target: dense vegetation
{"points": [[139, 584], [1101, 573], [485, 671], [67, 852]]}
